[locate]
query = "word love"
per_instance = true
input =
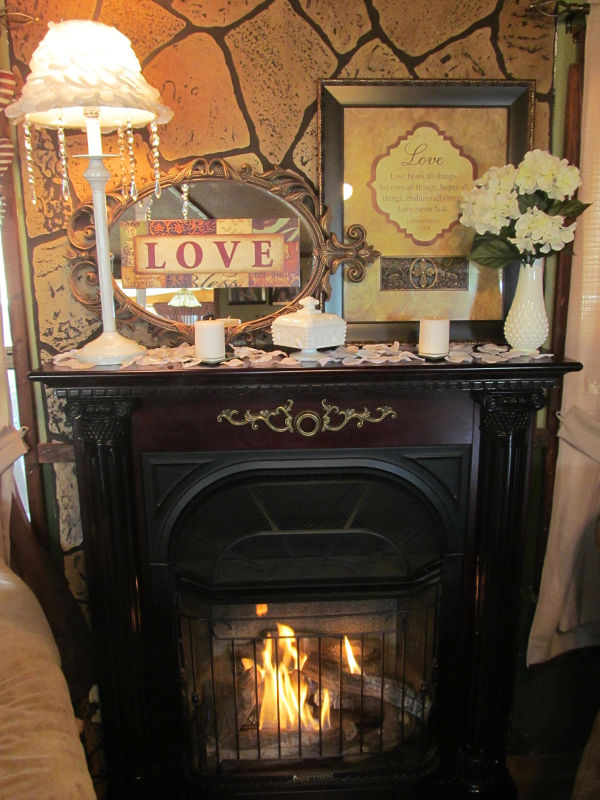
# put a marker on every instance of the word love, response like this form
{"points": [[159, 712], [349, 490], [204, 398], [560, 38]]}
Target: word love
{"points": [[418, 183], [418, 155], [209, 253]]}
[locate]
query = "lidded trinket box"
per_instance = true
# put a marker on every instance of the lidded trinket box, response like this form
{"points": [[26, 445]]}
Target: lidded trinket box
{"points": [[308, 329]]}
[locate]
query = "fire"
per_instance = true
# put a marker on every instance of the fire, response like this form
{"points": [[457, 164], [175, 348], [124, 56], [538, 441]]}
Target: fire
{"points": [[261, 609], [286, 691], [354, 668]]}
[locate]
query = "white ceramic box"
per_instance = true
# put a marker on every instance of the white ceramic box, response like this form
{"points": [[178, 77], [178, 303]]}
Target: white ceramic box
{"points": [[308, 329]]}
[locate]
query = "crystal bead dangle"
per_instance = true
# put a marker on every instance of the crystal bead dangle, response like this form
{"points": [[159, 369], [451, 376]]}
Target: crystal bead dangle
{"points": [[133, 193], [154, 144], [29, 160], [121, 141], [62, 155], [185, 194]]}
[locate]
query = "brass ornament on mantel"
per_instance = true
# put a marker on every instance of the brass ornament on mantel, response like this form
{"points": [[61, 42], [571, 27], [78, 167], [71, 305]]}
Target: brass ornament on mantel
{"points": [[327, 252], [289, 422]]}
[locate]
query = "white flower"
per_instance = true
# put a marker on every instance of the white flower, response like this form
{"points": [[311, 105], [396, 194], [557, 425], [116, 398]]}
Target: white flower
{"points": [[513, 205], [492, 202], [538, 232], [498, 179], [566, 182], [541, 171]]}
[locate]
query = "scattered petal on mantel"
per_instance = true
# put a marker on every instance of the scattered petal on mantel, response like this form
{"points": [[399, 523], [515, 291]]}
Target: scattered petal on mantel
{"points": [[69, 360], [349, 355], [492, 348], [289, 362], [459, 357]]}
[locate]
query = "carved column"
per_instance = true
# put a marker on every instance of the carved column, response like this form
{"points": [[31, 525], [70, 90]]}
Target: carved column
{"points": [[493, 590], [104, 468]]}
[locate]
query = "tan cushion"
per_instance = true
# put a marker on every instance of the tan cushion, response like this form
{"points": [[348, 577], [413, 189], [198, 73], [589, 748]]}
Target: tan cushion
{"points": [[41, 755]]}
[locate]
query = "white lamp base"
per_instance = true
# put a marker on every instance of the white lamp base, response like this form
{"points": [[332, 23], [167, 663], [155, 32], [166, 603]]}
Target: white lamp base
{"points": [[110, 348]]}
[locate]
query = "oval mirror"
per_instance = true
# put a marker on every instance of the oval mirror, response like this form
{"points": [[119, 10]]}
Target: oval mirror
{"points": [[212, 189]]}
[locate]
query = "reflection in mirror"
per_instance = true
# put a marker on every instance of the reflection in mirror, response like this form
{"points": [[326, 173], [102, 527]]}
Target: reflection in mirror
{"points": [[207, 200], [211, 189]]}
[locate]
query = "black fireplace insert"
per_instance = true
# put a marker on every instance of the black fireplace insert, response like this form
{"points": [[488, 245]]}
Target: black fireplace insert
{"points": [[311, 614]]}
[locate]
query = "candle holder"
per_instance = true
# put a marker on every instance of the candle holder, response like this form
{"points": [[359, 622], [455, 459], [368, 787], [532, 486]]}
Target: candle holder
{"points": [[209, 340], [434, 338]]}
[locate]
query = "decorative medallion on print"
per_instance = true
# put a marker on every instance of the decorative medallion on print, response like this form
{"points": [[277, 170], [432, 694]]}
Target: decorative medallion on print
{"points": [[424, 273]]}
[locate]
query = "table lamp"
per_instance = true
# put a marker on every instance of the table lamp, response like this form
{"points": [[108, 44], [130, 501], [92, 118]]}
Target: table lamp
{"points": [[85, 75]]}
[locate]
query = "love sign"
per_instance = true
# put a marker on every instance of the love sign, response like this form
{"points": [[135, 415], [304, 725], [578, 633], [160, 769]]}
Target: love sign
{"points": [[219, 253]]}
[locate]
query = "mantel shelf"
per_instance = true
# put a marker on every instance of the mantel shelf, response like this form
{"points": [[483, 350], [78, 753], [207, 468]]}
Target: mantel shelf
{"points": [[515, 375]]}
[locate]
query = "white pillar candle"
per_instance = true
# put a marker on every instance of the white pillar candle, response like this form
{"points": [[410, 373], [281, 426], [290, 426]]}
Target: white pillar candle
{"points": [[209, 339], [434, 337]]}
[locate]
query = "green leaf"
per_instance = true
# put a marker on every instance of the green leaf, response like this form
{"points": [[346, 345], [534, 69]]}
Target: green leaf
{"points": [[492, 251], [534, 200], [568, 208]]}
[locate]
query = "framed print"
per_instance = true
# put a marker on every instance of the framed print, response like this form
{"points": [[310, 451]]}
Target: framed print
{"points": [[395, 156], [246, 295]]}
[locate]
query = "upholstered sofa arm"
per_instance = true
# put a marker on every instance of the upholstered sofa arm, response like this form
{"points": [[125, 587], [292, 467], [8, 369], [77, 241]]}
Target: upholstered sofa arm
{"points": [[41, 755]]}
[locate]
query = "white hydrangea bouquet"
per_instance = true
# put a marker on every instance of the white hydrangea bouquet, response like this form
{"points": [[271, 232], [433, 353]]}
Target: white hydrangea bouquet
{"points": [[522, 213]]}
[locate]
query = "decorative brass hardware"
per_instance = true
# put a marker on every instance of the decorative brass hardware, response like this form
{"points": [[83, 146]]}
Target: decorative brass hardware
{"points": [[291, 423]]}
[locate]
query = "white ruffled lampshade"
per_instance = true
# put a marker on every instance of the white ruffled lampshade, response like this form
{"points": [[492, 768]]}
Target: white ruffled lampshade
{"points": [[184, 298], [82, 64]]}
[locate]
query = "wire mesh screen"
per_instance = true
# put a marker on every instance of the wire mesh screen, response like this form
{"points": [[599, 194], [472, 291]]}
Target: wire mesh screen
{"points": [[342, 680], [272, 529]]}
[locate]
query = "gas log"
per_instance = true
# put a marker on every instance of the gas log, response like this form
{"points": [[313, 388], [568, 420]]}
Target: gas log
{"points": [[374, 714]]}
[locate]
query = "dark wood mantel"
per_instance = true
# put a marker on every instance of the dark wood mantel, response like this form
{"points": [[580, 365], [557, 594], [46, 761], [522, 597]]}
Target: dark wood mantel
{"points": [[119, 414]]}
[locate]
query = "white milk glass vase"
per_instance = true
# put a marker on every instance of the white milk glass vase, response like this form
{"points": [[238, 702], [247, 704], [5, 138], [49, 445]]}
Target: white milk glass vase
{"points": [[526, 325]]}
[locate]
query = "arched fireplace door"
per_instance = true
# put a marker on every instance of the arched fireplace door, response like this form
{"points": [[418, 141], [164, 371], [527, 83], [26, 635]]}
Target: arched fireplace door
{"points": [[306, 617]]}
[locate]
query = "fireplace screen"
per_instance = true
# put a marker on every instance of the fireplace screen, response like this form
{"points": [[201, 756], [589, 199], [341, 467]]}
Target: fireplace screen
{"points": [[290, 681], [307, 621]]}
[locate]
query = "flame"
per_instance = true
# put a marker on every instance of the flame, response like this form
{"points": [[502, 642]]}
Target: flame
{"points": [[284, 698], [261, 609], [353, 666], [285, 690], [325, 709]]}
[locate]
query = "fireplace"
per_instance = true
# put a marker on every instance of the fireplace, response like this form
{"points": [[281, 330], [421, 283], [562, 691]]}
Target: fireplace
{"points": [[305, 583], [282, 689]]}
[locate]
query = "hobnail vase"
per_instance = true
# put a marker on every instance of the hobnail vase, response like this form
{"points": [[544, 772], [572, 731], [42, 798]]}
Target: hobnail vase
{"points": [[526, 325]]}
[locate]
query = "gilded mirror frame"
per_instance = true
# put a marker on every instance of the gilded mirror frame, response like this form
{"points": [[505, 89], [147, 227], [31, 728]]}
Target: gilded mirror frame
{"points": [[329, 253]]}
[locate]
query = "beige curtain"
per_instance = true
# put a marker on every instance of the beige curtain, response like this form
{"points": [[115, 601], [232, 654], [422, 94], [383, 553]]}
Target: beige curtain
{"points": [[568, 611], [11, 447]]}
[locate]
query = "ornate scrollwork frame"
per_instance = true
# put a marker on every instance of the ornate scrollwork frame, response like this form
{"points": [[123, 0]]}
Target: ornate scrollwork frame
{"points": [[329, 253]]}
